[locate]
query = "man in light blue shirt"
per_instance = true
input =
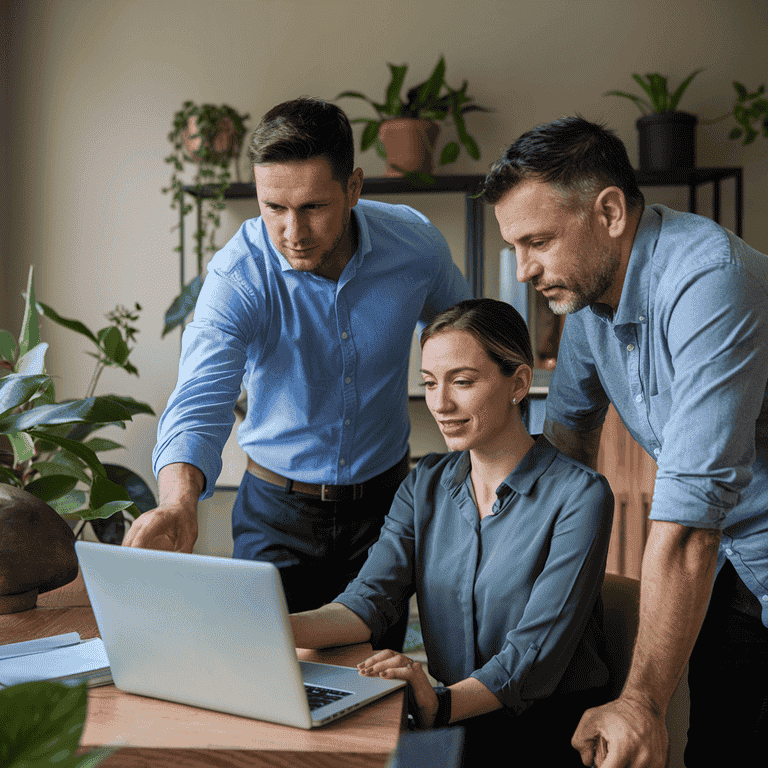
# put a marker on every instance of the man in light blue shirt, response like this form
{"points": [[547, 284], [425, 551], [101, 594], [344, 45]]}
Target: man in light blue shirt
{"points": [[668, 321], [312, 307]]}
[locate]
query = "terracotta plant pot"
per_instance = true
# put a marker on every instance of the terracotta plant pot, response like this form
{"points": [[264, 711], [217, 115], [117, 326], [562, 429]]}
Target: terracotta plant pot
{"points": [[409, 143], [666, 141], [37, 550], [222, 145]]}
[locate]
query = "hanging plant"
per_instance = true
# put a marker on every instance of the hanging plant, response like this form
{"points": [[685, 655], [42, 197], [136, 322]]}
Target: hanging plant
{"points": [[209, 137]]}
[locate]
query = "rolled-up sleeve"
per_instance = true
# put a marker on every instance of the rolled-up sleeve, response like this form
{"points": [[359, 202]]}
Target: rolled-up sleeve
{"points": [[717, 343]]}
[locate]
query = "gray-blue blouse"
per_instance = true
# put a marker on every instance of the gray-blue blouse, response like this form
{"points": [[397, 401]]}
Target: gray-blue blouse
{"points": [[512, 599]]}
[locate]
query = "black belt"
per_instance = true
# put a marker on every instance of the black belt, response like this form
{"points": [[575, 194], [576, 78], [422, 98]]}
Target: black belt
{"points": [[331, 492]]}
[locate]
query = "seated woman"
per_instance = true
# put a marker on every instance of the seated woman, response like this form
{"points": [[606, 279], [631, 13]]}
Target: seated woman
{"points": [[503, 540]]}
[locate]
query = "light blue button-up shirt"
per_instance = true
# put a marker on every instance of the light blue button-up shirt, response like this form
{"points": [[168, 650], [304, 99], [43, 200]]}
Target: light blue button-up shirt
{"points": [[324, 363], [510, 599], [685, 362]]}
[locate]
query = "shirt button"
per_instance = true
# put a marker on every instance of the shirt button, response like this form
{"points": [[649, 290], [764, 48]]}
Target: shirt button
{"points": [[639, 399], [344, 335], [656, 451], [348, 380], [729, 551], [641, 318], [630, 347], [342, 462], [764, 598]]}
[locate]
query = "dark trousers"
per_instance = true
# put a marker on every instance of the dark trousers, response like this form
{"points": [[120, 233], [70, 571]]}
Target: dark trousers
{"points": [[728, 680], [318, 546], [539, 736]]}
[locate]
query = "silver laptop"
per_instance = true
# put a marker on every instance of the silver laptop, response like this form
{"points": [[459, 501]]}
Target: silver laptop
{"points": [[212, 632]]}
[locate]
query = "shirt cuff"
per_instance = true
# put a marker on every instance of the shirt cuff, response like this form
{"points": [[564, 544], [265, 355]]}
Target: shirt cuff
{"points": [[189, 448], [695, 506]]}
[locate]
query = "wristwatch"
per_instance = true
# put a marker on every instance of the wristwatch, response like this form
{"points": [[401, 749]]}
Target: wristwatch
{"points": [[443, 716]]}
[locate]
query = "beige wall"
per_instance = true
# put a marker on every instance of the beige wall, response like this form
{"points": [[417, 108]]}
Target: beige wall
{"points": [[91, 86]]}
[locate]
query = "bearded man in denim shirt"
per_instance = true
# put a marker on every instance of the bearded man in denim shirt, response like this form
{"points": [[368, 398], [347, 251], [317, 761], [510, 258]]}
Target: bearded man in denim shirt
{"points": [[668, 321]]}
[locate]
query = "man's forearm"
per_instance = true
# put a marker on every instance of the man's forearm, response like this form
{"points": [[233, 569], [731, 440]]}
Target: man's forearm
{"points": [[180, 484], [582, 446], [677, 575]]}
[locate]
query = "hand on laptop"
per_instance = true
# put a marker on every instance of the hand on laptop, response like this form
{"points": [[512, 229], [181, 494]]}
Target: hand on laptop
{"points": [[171, 528], [396, 666]]}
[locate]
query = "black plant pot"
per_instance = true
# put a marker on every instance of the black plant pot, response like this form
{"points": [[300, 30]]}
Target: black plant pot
{"points": [[667, 140]]}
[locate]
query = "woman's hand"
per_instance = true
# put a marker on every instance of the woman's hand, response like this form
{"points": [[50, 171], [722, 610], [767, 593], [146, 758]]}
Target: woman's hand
{"points": [[396, 666]]}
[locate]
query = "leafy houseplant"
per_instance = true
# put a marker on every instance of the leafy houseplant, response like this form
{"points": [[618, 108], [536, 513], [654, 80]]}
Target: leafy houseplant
{"points": [[667, 137], [749, 109], [49, 448], [209, 137], [432, 100]]}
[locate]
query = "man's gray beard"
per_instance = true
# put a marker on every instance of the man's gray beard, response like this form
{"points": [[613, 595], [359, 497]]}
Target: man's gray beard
{"points": [[585, 295]]}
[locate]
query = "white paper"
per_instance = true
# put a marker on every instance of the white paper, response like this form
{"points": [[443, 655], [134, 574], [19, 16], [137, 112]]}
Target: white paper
{"points": [[82, 660], [39, 645]]}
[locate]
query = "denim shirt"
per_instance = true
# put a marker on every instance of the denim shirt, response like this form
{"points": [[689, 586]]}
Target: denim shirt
{"points": [[684, 360], [512, 599], [324, 363]]}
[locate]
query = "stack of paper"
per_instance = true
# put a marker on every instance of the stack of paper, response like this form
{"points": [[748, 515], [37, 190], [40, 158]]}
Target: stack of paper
{"points": [[62, 658]]}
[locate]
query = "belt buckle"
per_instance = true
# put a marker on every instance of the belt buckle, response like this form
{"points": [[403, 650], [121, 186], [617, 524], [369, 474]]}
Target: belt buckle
{"points": [[335, 495]]}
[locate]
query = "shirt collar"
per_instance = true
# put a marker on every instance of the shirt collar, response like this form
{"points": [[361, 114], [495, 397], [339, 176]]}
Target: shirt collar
{"points": [[521, 479], [635, 293], [363, 246]]}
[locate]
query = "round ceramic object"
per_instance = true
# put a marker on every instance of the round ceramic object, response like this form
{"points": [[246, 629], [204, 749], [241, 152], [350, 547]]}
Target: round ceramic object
{"points": [[37, 550]]}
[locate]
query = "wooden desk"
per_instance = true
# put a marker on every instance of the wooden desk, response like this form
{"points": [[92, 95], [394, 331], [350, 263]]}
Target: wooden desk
{"points": [[163, 733]]}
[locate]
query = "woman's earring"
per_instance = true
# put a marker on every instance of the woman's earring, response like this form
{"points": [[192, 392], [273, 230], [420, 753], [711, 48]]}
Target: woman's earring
{"points": [[514, 401]]}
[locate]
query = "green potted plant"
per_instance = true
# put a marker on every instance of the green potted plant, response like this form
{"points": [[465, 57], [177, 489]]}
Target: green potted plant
{"points": [[47, 448], [749, 111], [406, 130], [666, 136], [208, 137]]}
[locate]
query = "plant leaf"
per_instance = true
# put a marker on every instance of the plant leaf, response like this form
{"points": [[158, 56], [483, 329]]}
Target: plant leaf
{"points": [[69, 504], [105, 511], [674, 100], [138, 491], [430, 90], [450, 153], [93, 409], [370, 133], [392, 103], [73, 325], [182, 305], [62, 463], [641, 104], [40, 723], [33, 362], [8, 346], [51, 487], [78, 449], [23, 446], [129, 404], [98, 444], [111, 341], [30, 328], [17, 389]]}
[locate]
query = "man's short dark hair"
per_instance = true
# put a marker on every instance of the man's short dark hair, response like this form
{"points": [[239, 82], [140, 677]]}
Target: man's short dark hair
{"points": [[575, 156], [302, 129]]}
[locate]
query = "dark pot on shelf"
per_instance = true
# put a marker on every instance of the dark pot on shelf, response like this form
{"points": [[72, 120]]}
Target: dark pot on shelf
{"points": [[37, 550], [667, 140]]}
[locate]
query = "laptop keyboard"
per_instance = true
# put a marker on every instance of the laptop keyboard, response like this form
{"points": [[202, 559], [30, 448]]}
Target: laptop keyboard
{"points": [[319, 696]]}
